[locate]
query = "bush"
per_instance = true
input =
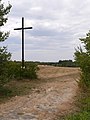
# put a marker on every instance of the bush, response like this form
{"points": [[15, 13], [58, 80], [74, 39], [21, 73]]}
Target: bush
{"points": [[82, 58], [29, 72], [81, 116], [16, 72], [4, 58], [13, 71]]}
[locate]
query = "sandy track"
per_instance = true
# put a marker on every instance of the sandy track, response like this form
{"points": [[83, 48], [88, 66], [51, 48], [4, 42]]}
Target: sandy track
{"points": [[53, 97]]}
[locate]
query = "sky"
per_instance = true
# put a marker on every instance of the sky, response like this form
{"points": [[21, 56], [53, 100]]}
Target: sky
{"points": [[57, 27]]}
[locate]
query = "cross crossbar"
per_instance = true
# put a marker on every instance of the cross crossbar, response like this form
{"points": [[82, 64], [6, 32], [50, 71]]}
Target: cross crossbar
{"points": [[23, 28]]}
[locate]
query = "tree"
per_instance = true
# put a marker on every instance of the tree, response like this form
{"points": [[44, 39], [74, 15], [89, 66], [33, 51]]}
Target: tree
{"points": [[3, 19], [82, 57], [4, 55]]}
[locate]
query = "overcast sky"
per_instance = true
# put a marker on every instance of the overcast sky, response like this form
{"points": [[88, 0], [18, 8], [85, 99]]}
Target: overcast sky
{"points": [[57, 27]]}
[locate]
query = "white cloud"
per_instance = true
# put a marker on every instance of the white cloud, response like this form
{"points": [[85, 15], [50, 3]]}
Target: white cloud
{"points": [[57, 27]]}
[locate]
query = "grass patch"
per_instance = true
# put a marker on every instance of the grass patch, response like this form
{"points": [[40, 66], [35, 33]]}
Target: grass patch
{"points": [[17, 88], [84, 115], [83, 104]]}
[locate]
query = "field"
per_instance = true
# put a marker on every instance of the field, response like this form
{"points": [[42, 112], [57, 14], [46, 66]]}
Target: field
{"points": [[52, 94]]}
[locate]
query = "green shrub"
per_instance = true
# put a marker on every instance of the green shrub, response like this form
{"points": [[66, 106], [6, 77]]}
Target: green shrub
{"points": [[29, 72], [81, 116], [16, 72], [4, 55], [13, 71], [82, 57], [4, 58]]}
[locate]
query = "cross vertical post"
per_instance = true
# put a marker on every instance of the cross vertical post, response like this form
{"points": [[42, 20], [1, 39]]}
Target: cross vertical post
{"points": [[22, 28], [22, 42]]}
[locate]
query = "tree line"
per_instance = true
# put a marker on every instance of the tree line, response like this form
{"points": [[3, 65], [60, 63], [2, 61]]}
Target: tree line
{"points": [[61, 63]]}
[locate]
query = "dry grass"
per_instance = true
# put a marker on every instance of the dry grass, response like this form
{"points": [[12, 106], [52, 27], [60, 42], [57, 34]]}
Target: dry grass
{"points": [[51, 71]]}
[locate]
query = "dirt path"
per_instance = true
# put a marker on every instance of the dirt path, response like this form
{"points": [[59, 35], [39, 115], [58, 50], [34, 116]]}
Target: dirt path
{"points": [[55, 95]]}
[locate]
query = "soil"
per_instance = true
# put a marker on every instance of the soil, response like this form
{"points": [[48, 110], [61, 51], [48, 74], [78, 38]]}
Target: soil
{"points": [[55, 96]]}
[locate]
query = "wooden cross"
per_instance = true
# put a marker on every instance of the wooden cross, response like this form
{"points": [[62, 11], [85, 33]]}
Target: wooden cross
{"points": [[22, 28]]}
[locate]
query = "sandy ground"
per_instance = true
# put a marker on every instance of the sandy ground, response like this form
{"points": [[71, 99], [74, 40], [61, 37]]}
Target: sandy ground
{"points": [[53, 97]]}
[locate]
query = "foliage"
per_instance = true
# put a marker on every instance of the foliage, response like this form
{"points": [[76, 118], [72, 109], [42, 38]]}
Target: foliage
{"points": [[4, 55], [82, 58], [61, 63], [18, 88], [13, 72], [4, 58], [30, 71], [3, 19], [67, 63], [80, 116], [16, 72]]}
